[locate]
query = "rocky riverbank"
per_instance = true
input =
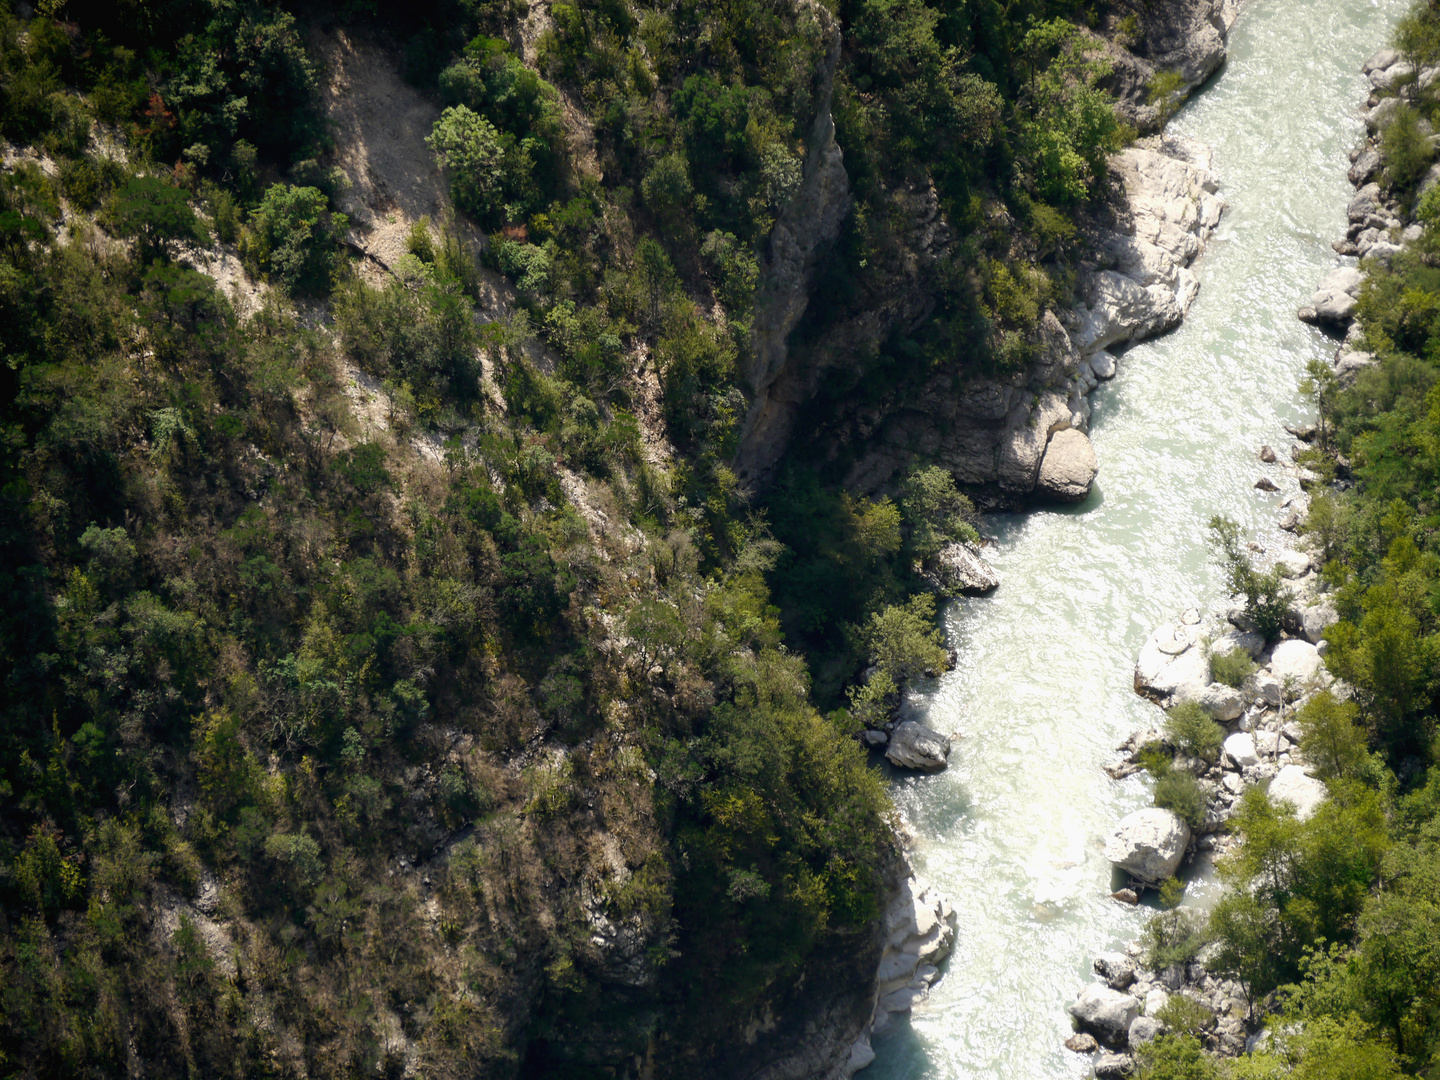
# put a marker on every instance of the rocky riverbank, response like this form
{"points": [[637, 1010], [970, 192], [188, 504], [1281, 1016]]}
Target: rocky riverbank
{"points": [[1025, 440], [1123, 1007]]}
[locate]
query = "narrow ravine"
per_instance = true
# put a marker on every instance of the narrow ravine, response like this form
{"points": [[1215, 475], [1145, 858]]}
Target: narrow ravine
{"points": [[1012, 831]]}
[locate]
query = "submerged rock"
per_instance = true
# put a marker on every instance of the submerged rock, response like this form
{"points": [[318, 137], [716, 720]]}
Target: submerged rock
{"points": [[1082, 1043], [1117, 969], [1149, 844], [1114, 1066], [915, 746]]}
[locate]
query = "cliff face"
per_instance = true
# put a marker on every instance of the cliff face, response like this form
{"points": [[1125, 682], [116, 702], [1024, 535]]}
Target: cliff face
{"points": [[807, 226], [996, 435], [1184, 38]]}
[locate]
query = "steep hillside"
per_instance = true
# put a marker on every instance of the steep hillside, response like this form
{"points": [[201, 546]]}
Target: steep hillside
{"points": [[393, 668]]}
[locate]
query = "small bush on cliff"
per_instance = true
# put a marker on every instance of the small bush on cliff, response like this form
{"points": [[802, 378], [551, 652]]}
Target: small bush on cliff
{"points": [[1232, 668], [1180, 793], [1407, 150], [1175, 1057], [468, 146], [1194, 733], [293, 238], [1173, 937], [935, 511]]}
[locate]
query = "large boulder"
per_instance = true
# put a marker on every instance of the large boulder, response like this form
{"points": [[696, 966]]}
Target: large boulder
{"points": [[1143, 1029], [1335, 298], [1107, 1014], [1222, 702], [1110, 1066], [1246, 641], [1240, 748], [1185, 678], [1296, 662], [959, 569], [915, 746], [1068, 469], [1318, 618], [1293, 785], [1149, 844]]}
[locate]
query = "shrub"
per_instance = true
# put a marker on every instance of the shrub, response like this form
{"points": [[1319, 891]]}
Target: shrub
{"points": [[1407, 150], [293, 238], [1193, 732], [1176, 1057], [1173, 937], [1232, 668], [1181, 793]]}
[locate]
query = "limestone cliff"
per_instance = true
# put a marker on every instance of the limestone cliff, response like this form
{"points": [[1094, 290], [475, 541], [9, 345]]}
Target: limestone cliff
{"points": [[997, 435], [807, 225]]}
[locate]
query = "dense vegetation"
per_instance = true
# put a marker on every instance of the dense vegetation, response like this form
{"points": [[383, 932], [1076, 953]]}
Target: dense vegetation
{"points": [[340, 733], [1339, 916]]}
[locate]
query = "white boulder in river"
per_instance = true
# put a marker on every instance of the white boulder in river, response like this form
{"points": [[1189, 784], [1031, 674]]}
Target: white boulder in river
{"points": [[1296, 661], [1302, 791], [1107, 1014], [1148, 845], [915, 746]]}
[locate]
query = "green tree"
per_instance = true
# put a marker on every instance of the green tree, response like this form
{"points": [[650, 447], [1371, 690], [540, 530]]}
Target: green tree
{"points": [[902, 641], [293, 238], [468, 147], [156, 215], [1266, 597], [935, 511], [1330, 738]]}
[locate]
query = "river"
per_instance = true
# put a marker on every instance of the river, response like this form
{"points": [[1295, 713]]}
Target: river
{"points": [[1043, 692]]}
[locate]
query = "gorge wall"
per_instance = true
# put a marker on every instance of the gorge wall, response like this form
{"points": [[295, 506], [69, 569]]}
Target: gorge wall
{"points": [[997, 435]]}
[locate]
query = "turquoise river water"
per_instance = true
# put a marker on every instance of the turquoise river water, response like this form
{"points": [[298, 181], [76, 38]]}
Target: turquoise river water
{"points": [[1043, 692]]}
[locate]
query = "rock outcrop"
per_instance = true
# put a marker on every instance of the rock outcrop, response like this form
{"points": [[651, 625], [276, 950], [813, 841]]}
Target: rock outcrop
{"points": [[914, 746], [1014, 440], [1022, 440], [804, 229], [920, 926], [960, 570], [1184, 38]]}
